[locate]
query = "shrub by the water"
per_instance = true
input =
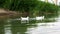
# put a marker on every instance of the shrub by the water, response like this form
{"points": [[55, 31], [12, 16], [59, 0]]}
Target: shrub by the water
{"points": [[2, 3], [34, 7], [21, 5]]}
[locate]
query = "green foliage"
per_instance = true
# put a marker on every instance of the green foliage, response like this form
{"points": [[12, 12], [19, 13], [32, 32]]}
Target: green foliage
{"points": [[1, 3], [28, 5], [21, 5], [34, 7], [48, 7]]}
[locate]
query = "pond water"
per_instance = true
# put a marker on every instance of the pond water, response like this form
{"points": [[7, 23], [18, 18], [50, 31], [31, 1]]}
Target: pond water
{"points": [[16, 27]]}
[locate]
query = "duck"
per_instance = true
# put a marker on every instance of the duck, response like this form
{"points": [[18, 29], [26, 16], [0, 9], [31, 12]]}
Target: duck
{"points": [[24, 18], [40, 18]]}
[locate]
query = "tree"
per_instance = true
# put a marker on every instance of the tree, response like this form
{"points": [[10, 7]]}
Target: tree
{"points": [[48, 9], [21, 5], [1, 3], [32, 7], [26, 6]]}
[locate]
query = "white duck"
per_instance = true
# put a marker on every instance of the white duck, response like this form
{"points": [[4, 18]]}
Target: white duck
{"points": [[24, 18], [40, 18]]}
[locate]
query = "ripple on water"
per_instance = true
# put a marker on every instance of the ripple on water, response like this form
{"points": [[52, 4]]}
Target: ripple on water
{"points": [[45, 28]]}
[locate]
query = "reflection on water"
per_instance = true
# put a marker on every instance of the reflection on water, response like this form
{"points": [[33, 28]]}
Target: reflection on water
{"points": [[1, 27], [16, 27], [7, 29], [46, 28]]}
